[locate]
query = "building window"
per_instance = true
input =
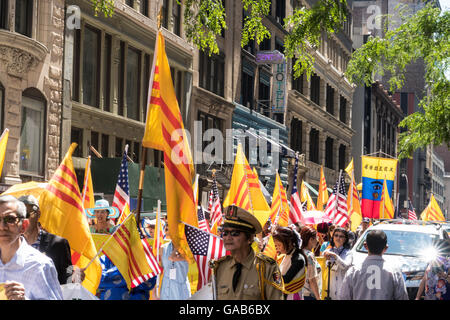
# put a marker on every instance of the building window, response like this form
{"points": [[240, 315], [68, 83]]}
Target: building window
{"points": [[343, 109], [296, 135], [119, 147], [133, 83], [144, 8], [330, 100], [130, 3], [76, 135], [250, 46], [280, 11], [329, 153], [212, 73], [136, 152], [209, 122], [314, 145], [94, 140], [297, 84], [121, 80], [32, 133], [315, 89], [265, 45], [165, 13], [105, 146], [176, 12], [91, 66], [247, 86], [24, 17], [107, 73], [76, 66], [342, 161], [4, 14]]}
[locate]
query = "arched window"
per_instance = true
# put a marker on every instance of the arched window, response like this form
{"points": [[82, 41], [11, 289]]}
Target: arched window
{"points": [[32, 143]]}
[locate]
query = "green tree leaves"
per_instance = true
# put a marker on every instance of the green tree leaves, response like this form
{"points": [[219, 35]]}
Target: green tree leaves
{"points": [[425, 36]]}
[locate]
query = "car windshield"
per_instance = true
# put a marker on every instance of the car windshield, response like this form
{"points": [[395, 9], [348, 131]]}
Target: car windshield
{"points": [[405, 243]]}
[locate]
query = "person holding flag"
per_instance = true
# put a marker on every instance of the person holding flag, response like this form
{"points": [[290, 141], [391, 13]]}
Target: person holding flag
{"points": [[102, 213]]}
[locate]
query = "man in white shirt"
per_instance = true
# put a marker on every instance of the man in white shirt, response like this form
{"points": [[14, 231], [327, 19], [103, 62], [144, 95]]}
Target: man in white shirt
{"points": [[25, 273], [374, 278]]}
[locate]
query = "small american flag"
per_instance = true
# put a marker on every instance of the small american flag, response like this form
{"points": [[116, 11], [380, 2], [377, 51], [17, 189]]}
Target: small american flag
{"points": [[411, 212], [204, 246], [336, 208], [202, 223], [215, 208], [296, 212], [122, 193]]}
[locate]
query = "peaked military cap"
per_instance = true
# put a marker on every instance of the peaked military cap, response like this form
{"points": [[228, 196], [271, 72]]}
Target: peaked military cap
{"points": [[241, 219]]}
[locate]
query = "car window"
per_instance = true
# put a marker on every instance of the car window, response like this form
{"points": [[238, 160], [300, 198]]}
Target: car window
{"points": [[405, 243]]}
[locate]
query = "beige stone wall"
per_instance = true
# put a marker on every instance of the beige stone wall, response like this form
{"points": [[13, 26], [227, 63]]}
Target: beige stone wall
{"points": [[34, 62]]}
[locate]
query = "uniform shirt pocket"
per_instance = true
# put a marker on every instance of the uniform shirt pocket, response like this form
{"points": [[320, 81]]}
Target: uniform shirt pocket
{"points": [[223, 291], [251, 292]]}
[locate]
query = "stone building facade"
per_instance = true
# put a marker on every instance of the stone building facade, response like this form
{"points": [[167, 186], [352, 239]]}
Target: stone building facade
{"points": [[31, 56]]}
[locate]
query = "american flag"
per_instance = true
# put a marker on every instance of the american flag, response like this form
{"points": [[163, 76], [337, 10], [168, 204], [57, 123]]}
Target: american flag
{"points": [[121, 198], [411, 212], [204, 246], [336, 208], [150, 258], [215, 208], [202, 223], [296, 212]]}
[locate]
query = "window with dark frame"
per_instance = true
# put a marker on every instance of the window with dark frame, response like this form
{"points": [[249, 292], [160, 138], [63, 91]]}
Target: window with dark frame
{"points": [[330, 100], [297, 84], [212, 73], [343, 109], [121, 80], [315, 89], [314, 145], [144, 7], [247, 87], [209, 122], [119, 147], [107, 73], [76, 135], [24, 17], [296, 135], [342, 162], [76, 66], [329, 153], [176, 12], [264, 94], [91, 66], [136, 152], [4, 10], [133, 77], [280, 11], [105, 146], [94, 139]]}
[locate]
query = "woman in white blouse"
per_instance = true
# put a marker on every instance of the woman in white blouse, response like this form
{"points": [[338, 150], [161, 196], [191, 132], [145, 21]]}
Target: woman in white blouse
{"points": [[339, 259]]}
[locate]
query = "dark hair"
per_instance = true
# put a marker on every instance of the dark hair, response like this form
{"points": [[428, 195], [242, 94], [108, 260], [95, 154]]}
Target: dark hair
{"points": [[307, 233], [345, 232], [287, 237], [376, 241]]}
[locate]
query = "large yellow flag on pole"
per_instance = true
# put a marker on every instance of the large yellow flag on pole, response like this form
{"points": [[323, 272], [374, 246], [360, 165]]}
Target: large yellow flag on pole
{"points": [[88, 189], [353, 202], [164, 130], [3, 143], [386, 206], [245, 191], [280, 207], [305, 196], [62, 214], [322, 198], [432, 212]]}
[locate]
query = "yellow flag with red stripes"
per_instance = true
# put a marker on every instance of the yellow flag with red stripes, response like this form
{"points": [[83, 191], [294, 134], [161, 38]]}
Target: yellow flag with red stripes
{"points": [[164, 130], [245, 191], [432, 212], [62, 214], [322, 198], [386, 206], [353, 202], [3, 143], [305, 196], [280, 207], [88, 188]]}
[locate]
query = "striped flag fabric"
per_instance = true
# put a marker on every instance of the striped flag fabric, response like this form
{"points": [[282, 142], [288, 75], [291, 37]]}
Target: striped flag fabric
{"points": [[151, 259], [280, 208], [3, 143], [164, 130], [305, 196], [88, 189], [202, 222], [336, 208], [296, 212], [215, 208], [322, 198], [411, 212], [204, 246], [121, 198], [353, 202], [128, 253], [386, 206], [432, 212], [62, 214]]}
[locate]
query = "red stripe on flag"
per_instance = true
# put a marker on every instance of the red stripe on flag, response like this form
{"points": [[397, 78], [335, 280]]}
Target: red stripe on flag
{"points": [[64, 197], [178, 176]]}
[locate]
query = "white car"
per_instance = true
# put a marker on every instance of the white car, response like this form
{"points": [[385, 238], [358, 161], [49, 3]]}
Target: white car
{"points": [[410, 247]]}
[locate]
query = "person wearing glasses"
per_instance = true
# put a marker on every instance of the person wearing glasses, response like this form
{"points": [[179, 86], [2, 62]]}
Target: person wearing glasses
{"points": [[244, 275], [25, 273], [339, 259], [57, 248]]}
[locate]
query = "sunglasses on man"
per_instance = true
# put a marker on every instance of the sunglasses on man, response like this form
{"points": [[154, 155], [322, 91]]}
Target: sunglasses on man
{"points": [[233, 233], [10, 220]]}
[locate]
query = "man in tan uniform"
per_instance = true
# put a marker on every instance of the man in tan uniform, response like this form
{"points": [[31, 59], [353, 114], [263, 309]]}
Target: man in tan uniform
{"points": [[244, 275]]}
